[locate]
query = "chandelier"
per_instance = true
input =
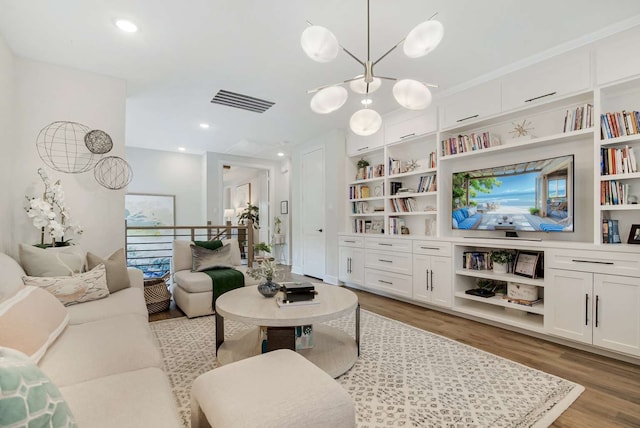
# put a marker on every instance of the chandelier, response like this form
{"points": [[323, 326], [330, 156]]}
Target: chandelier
{"points": [[322, 46]]}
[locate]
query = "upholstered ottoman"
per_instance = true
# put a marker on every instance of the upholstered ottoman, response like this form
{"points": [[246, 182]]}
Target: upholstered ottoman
{"points": [[278, 389]]}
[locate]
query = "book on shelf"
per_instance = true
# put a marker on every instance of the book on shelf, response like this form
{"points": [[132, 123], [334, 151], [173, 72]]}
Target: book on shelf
{"points": [[579, 118], [618, 124], [394, 186], [476, 260], [427, 183], [468, 143], [613, 192], [610, 231]]}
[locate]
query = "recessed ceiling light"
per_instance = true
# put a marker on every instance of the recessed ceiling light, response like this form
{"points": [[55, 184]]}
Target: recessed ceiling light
{"points": [[366, 101], [280, 154], [204, 125], [126, 26], [182, 149]]}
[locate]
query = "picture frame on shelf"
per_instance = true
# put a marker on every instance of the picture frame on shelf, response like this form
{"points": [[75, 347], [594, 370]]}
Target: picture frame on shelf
{"points": [[526, 264], [634, 234]]}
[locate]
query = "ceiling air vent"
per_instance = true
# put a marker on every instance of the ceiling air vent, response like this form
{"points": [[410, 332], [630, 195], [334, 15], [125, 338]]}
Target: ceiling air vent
{"points": [[244, 102]]}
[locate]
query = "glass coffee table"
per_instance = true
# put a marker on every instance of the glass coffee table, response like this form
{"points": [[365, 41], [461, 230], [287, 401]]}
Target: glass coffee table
{"points": [[333, 350]]}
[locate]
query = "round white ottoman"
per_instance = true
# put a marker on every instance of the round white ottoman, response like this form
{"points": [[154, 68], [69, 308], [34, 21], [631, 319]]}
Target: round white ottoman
{"points": [[278, 389]]}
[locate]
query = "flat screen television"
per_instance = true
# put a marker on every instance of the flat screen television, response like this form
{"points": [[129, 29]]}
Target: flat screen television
{"points": [[532, 196]]}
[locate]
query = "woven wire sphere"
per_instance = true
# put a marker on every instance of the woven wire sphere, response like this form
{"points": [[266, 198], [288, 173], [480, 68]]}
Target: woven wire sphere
{"points": [[61, 147], [113, 172], [98, 142]]}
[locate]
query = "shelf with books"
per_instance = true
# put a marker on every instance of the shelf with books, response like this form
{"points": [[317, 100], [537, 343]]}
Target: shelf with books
{"points": [[421, 171], [489, 274], [500, 300]]}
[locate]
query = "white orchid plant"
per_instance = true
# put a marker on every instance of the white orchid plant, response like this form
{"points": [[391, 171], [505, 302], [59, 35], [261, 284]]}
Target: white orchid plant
{"points": [[50, 212], [267, 269]]}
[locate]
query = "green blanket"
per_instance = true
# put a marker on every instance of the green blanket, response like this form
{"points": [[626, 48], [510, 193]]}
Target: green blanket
{"points": [[224, 280]]}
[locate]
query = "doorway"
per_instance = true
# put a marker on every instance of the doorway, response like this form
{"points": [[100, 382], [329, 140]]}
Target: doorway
{"points": [[313, 199]]}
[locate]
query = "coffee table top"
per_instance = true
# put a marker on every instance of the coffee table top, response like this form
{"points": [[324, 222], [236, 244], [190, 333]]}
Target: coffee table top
{"points": [[247, 305]]}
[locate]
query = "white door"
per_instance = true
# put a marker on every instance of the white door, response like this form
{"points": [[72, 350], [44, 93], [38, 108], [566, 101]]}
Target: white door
{"points": [[263, 205], [616, 315], [568, 303], [351, 269], [313, 201]]}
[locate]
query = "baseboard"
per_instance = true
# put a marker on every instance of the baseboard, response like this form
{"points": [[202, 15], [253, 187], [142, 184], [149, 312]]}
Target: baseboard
{"points": [[333, 280]]}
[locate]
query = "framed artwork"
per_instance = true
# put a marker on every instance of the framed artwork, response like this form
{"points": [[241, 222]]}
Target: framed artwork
{"points": [[149, 209], [634, 234], [526, 264], [243, 195], [284, 207]]}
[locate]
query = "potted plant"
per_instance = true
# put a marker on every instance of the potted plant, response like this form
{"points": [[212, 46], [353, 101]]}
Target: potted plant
{"points": [[251, 212], [278, 236], [362, 169], [262, 247], [267, 270], [500, 260]]}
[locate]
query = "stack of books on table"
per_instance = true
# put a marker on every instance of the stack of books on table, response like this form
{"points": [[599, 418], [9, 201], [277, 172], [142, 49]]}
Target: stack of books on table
{"points": [[297, 294]]}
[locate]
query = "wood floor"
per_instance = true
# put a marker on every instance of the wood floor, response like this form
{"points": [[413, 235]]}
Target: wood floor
{"points": [[612, 388]]}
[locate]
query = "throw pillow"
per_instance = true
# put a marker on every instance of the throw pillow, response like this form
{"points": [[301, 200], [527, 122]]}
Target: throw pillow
{"points": [[55, 262], [204, 259], [116, 267], [214, 244], [31, 320], [79, 288], [27, 395]]}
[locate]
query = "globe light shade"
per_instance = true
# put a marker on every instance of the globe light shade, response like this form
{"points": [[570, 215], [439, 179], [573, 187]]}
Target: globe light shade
{"points": [[319, 44], [412, 94], [329, 99], [365, 122], [423, 39], [359, 86]]}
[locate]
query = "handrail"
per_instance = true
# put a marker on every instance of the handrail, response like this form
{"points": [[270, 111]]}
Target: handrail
{"points": [[150, 248]]}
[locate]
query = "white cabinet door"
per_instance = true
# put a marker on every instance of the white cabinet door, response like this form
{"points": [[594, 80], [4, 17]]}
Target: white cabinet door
{"points": [[617, 313], [357, 144], [351, 265], [411, 128], [470, 105], [421, 269], [440, 281], [615, 59], [568, 303], [565, 74]]}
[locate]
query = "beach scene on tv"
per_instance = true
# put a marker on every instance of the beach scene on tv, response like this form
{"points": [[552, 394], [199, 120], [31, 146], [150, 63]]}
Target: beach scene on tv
{"points": [[535, 196]]}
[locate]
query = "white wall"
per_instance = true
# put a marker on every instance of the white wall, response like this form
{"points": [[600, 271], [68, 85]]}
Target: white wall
{"points": [[46, 93], [7, 144], [168, 173]]}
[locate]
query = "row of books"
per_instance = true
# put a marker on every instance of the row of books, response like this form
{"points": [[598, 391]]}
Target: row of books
{"points": [[476, 260], [579, 118], [614, 193], [396, 225], [359, 191], [370, 172], [404, 205], [427, 183], [619, 124], [617, 161], [469, 143], [367, 226], [610, 232], [359, 207], [399, 167]]}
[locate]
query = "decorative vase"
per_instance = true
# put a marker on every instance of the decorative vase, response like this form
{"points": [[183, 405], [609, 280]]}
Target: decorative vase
{"points": [[268, 288], [500, 267]]}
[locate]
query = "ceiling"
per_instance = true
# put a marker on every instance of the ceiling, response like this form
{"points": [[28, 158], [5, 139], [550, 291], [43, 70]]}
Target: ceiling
{"points": [[186, 51]]}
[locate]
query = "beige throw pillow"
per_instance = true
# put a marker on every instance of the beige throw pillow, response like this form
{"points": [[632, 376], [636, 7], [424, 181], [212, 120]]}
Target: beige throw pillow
{"points": [[116, 267], [70, 290], [59, 261], [204, 259], [31, 320]]}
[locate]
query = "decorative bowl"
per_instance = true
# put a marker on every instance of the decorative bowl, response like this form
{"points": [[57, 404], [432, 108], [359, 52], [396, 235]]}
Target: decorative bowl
{"points": [[268, 289]]}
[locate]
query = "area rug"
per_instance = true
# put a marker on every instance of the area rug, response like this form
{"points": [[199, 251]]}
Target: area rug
{"points": [[405, 377]]}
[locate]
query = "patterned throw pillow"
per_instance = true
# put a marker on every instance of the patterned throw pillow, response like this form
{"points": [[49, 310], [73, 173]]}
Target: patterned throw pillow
{"points": [[79, 288], [204, 259], [27, 397]]}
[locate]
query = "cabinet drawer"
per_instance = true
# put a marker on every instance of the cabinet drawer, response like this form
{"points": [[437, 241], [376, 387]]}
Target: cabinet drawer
{"points": [[609, 54], [357, 144], [432, 248], [627, 264], [403, 245], [351, 241], [389, 261], [470, 105], [392, 283], [411, 128]]}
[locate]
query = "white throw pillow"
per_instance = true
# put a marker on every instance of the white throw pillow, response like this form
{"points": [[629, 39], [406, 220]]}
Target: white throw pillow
{"points": [[58, 261], [79, 288]]}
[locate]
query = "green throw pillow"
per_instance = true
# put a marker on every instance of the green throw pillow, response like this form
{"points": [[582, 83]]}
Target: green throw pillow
{"points": [[27, 397], [209, 245]]}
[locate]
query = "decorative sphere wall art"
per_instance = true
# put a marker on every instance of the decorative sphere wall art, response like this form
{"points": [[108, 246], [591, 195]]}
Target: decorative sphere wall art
{"points": [[113, 172], [98, 142], [61, 146]]}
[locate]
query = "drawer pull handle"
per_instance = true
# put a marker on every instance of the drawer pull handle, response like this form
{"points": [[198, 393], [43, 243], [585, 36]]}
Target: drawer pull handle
{"points": [[586, 309], [467, 118], [430, 248], [362, 148], [385, 261], [597, 303], [408, 135], [386, 245], [541, 96], [350, 242], [385, 282], [592, 261], [431, 274]]}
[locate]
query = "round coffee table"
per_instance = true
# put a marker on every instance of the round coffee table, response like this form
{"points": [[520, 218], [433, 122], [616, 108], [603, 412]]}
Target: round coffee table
{"points": [[333, 350]]}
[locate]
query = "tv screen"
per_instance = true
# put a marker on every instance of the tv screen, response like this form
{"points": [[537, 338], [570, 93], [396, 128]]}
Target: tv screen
{"points": [[534, 196]]}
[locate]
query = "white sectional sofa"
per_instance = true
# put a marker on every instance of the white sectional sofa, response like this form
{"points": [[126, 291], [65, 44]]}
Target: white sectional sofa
{"points": [[105, 361]]}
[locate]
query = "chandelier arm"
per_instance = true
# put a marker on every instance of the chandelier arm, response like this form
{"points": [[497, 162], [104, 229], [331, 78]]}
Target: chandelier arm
{"points": [[430, 85], [388, 52], [352, 55], [344, 82]]}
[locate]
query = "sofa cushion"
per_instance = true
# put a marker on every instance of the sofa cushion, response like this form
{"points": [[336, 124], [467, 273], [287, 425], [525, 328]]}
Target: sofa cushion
{"points": [[205, 259], [127, 301], [182, 260], [116, 267], [27, 395], [101, 348], [54, 262], [31, 320], [12, 275], [71, 290], [459, 216], [140, 398]]}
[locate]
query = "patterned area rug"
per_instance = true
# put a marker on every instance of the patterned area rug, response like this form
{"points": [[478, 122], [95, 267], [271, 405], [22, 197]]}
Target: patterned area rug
{"points": [[405, 377]]}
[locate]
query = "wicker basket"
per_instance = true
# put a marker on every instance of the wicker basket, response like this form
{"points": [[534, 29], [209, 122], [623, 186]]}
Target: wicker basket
{"points": [[156, 295]]}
